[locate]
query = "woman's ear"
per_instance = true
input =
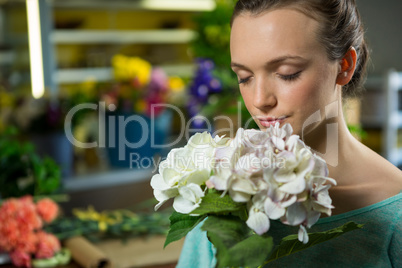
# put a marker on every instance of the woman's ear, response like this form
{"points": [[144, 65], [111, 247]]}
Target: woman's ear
{"points": [[347, 67]]}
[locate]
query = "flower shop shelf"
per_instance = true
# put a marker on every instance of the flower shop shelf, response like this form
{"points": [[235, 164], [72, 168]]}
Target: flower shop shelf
{"points": [[373, 102], [381, 109], [171, 5], [83, 74], [103, 74], [107, 179], [167, 36]]}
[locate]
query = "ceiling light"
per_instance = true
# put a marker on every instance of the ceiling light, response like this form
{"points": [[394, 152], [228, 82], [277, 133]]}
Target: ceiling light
{"points": [[35, 49], [174, 5]]}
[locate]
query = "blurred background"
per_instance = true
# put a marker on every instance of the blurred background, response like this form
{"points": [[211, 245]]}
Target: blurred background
{"points": [[74, 73]]}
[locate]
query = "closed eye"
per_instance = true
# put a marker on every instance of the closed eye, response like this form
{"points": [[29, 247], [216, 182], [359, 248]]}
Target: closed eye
{"points": [[244, 80], [290, 77]]}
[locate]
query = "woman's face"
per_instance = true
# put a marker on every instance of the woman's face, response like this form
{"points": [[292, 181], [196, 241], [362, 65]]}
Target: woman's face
{"points": [[284, 73]]}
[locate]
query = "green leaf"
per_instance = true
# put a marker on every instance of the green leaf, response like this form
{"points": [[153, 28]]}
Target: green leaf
{"points": [[290, 244], [236, 244], [212, 202], [180, 225], [60, 258]]}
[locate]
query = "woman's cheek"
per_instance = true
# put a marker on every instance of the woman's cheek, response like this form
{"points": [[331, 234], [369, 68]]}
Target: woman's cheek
{"points": [[305, 92], [248, 98]]}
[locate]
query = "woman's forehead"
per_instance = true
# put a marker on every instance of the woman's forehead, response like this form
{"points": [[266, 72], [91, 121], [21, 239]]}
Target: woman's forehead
{"points": [[281, 31]]}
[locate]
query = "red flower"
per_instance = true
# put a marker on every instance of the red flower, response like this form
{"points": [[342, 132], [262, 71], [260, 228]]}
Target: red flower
{"points": [[48, 245], [27, 242], [18, 219], [20, 258], [9, 234], [20, 229], [47, 209], [26, 215]]}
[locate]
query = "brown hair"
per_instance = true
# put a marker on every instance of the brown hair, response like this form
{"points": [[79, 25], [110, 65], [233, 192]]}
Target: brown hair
{"points": [[340, 28]]}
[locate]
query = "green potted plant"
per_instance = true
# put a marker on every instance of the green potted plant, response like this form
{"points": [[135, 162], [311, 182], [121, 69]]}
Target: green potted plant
{"points": [[23, 171]]}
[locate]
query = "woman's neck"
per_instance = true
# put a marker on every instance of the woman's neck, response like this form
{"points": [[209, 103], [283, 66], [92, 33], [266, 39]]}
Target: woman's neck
{"points": [[332, 140]]}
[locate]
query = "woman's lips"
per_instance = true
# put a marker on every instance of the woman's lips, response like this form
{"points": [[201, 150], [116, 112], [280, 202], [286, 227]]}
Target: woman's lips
{"points": [[271, 121]]}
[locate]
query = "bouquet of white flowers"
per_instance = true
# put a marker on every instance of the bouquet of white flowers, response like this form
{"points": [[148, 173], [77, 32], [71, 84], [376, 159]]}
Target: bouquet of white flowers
{"points": [[238, 185]]}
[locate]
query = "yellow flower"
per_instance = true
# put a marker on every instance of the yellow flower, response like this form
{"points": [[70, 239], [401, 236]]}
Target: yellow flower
{"points": [[176, 84], [103, 219], [129, 68], [119, 63], [102, 226], [90, 214], [140, 69]]}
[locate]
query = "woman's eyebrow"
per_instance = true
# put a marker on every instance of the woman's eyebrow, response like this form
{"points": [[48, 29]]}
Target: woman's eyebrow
{"points": [[274, 61], [238, 65], [282, 59]]}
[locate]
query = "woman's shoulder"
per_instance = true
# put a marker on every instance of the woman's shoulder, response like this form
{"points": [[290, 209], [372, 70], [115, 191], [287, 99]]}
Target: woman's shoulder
{"points": [[365, 180], [386, 212], [385, 178]]}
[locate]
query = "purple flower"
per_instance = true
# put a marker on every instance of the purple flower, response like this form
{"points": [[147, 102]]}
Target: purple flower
{"points": [[159, 81], [204, 83]]}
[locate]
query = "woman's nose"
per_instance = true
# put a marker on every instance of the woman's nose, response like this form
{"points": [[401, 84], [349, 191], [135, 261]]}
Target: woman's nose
{"points": [[264, 96]]}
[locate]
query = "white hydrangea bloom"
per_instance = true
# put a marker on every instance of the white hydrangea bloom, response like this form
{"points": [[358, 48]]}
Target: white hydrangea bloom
{"points": [[272, 171], [277, 174], [185, 170], [226, 159], [189, 198], [257, 218]]}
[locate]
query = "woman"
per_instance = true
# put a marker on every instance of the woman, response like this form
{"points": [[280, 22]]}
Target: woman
{"points": [[296, 61]]}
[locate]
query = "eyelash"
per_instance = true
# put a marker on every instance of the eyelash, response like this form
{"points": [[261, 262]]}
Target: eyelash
{"points": [[244, 81], [290, 77]]}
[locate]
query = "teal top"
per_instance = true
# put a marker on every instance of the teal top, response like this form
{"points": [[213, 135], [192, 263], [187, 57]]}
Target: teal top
{"points": [[377, 244]]}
